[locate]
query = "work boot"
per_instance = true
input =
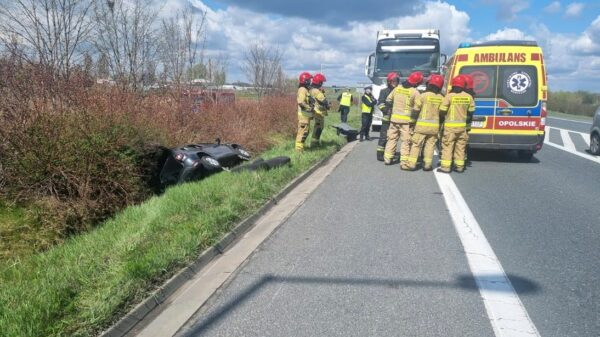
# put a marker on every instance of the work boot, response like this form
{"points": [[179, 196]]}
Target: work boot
{"points": [[405, 167], [367, 137], [460, 169], [443, 170], [361, 138], [380, 156], [427, 168], [387, 162]]}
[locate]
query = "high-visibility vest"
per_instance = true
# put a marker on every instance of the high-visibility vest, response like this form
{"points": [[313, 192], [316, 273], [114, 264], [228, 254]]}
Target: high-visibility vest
{"points": [[346, 99], [365, 108]]}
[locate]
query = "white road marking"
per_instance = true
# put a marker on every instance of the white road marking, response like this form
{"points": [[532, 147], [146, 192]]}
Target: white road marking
{"points": [[569, 120], [577, 153], [505, 310], [567, 141]]}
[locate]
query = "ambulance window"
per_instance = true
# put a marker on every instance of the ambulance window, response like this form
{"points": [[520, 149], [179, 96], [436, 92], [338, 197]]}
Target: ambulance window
{"points": [[484, 79], [518, 85]]}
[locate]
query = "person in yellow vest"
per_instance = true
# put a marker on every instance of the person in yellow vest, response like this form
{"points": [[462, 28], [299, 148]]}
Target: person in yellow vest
{"points": [[402, 100], [428, 123], [368, 102], [305, 110], [345, 99], [392, 80], [321, 105], [456, 108]]}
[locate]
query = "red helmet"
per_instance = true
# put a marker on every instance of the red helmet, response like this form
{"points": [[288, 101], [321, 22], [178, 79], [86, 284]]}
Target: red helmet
{"points": [[318, 79], [304, 78], [392, 76], [459, 81], [470, 83], [415, 78], [436, 80]]}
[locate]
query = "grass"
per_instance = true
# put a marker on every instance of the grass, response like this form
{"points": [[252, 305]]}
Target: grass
{"points": [[81, 286], [569, 116]]}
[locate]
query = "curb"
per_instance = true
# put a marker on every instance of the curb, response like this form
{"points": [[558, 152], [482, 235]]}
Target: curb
{"points": [[140, 311]]}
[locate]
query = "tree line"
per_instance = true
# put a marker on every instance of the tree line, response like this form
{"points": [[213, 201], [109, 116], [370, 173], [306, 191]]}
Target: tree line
{"points": [[127, 42]]}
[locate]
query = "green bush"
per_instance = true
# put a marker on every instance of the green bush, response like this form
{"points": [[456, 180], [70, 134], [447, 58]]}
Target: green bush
{"points": [[576, 103]]}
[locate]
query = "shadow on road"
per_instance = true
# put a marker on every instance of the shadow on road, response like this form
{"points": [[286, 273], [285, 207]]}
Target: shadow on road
{"points": [[463, 281], [499, 156]]}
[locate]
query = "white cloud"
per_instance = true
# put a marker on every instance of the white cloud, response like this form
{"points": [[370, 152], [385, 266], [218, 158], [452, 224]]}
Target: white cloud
{"points": [[508, 9], [589, 41], [574, 9], [508, 34], [553, 7], [572, 61], [307, 45]]}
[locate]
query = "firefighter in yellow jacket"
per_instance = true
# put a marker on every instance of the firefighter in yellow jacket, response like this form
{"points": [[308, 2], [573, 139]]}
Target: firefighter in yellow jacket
{"points": [[428, 123], [402, 100], [456, 108], [321, 105], [305, 110]]}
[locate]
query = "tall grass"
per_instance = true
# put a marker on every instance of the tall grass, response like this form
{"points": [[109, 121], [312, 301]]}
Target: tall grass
{"points": [[81, 286], [74, 153]]}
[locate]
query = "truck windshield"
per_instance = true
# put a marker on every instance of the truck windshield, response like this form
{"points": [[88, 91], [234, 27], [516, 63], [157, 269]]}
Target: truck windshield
{"points": [[406, 62], [406, 56]]}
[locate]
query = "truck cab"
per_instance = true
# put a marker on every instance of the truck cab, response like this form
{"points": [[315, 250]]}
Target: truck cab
{"points": [[403, 51]]}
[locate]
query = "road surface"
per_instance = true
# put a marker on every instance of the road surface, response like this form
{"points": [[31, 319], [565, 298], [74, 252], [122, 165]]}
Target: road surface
{"points": [[376, 251]]}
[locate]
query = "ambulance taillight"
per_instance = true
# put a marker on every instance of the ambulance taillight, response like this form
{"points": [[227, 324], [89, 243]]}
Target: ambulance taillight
{"points": [[543, 115]]}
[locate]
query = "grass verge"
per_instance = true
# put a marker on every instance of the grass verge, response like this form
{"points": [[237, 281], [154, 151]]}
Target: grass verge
{"points": [[78, 288], [570, 116]]}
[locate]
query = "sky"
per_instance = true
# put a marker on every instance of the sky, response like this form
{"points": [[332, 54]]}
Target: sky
{"points": [[337, 36]]}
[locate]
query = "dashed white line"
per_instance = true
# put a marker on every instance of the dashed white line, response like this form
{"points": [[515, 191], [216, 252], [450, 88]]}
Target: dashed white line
{"points": [[505, 310]]}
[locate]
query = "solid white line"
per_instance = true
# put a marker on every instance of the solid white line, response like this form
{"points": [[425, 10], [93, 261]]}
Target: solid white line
{"points": [[505, 310], [567, 141], [570, 120]]}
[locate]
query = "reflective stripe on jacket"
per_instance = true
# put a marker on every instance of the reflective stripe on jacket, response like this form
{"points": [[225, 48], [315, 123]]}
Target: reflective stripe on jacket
{"points": [[403, 100], [428, 121], [457, 106]]}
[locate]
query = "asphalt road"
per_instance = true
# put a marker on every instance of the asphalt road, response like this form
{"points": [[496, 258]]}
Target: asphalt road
{"points": [[374, 252]]}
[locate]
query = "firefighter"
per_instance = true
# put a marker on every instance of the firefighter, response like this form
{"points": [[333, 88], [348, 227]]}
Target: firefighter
{"points": [[392, 81], [456, 107], [428, 123], [321, 105], [345, 99], [368, 102], [401, 99], [305, 110]]}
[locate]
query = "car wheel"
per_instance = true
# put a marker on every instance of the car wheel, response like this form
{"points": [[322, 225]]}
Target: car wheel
{"points": [[595, 144], [525, 155]]}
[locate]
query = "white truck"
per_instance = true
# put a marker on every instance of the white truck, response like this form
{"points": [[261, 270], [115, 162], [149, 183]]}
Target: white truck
{"points": [[403, 51]]}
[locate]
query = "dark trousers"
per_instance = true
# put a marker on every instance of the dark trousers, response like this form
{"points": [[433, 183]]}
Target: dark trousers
{"points": [[382, 139], [367, 118], [344, 110]]}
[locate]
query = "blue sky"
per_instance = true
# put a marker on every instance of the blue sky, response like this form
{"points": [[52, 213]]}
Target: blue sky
{"points": [[339, 34]]}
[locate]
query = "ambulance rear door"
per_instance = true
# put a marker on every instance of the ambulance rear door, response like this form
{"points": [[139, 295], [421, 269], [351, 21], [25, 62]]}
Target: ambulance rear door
{"points": [[518, 108], [484, 78]]}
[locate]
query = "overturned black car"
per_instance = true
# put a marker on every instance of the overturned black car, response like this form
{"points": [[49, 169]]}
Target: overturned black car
{"points": [[197, 161]]}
